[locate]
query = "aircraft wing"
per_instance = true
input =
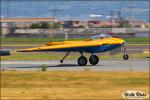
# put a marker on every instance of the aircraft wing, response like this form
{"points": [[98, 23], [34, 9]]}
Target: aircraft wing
{"points": [[73, 44], [61, 46]]}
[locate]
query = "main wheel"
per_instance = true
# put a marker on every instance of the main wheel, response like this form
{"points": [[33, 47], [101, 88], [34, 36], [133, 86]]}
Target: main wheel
{"points": [[125, 57], [93, 60], [82, 61]]}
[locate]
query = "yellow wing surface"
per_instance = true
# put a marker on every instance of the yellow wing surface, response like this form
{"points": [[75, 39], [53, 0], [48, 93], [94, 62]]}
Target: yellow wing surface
{"points": [[74, 44]]}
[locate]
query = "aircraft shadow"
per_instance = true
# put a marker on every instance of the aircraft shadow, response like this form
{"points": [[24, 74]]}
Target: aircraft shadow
{"points": [[59, 65]]}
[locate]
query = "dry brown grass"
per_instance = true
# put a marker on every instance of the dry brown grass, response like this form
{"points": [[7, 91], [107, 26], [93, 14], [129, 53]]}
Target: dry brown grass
{"points": [[70, 84]]}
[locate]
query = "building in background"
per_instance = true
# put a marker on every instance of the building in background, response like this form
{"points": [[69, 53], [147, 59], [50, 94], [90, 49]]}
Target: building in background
{"points": [[10, 24], [22, 27]]}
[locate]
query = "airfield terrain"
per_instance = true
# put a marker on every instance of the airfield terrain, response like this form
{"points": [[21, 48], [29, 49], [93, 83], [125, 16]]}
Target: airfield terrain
{"points": [[91, 85], [41, 76], [107, 65]]}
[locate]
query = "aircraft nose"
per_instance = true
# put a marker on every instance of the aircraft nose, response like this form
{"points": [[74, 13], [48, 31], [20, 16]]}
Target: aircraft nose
{"points": [[121, 41], [118, 41]]}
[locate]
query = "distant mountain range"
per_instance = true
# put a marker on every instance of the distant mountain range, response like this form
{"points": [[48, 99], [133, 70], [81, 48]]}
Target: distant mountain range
{"points": [[77, 10]]}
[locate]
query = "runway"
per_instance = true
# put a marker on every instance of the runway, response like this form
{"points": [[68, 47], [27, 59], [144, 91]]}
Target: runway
{"points": [[130, 65]]}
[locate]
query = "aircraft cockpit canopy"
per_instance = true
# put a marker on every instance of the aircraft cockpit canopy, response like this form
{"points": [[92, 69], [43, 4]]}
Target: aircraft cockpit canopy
{"points": [[101, 36]]}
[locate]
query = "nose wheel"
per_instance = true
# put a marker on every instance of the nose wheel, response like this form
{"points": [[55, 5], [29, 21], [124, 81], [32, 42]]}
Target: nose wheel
{"points": [[125, 56]]}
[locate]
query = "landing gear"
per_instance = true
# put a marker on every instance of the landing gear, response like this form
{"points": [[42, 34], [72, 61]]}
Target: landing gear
{"points": [[93, 60], [82, 61], [125, 56], [61, 61]]}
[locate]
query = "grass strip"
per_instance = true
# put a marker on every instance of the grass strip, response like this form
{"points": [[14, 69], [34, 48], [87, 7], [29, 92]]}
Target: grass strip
{"points": [[70, 84]]}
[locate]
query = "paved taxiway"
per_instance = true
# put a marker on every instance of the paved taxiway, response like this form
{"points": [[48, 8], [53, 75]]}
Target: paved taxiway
{"points": [[130, 65]]}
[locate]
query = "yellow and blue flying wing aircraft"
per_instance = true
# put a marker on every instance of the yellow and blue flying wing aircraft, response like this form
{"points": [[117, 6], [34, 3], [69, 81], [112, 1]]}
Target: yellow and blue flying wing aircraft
{"points": [[104, 43]]}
